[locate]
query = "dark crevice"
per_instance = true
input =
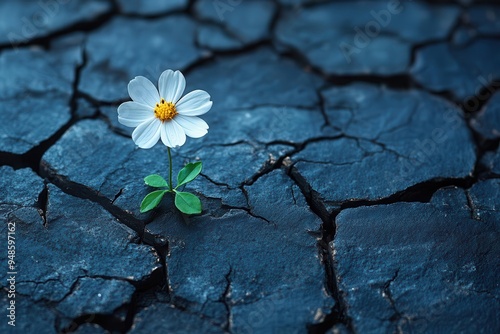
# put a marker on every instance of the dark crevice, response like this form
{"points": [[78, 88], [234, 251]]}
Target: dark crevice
{"points": [[116, 130], [473, 104], [476, 103], [99, 103], [277, 15], [448, 39], [248, 209], [117, 195], [42, 202], [472, 207], [420, 192], [268, 166], [121, 320], [81, 191], [109, 322], [322, 107], [163, 251], [387, 294], [155, 16], [218, 184], [158, 278], [396, 82], [225, 299], [73, 104], [157, 282], [338, 314], [312, 197], [471, 108], [31, 159], [483, 146], [274, 163], [158, 285]]}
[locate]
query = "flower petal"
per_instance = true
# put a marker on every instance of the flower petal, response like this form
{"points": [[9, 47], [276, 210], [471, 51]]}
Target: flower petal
{"points": [[171, 85], [172, 134], [193, 126], [143, 91], [132, 113], [194, 104], [146, 135]]}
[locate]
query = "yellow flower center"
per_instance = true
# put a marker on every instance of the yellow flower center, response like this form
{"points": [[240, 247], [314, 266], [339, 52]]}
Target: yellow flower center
{"points": [[165, 111]]}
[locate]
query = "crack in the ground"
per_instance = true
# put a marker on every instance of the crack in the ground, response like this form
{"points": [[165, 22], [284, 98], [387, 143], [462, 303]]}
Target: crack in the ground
{"points": [[42, 202], [118, 194], [33, 157], [249, 208], [113, 322], [472, 207], [338, 314], [421, 192], [81, 191], [159, 278], [226, 299], [217, 183], [398, 318], [482, 144]]}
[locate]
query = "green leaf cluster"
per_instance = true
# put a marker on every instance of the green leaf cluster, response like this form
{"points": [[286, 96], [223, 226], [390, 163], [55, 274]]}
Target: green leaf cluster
{"points": [[184, 201]]}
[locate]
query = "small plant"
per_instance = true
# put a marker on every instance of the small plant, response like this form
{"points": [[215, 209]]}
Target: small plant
{"points": [[162, 114]]}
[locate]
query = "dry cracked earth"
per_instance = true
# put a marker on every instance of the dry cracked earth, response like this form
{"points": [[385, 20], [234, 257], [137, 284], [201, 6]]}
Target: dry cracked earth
{"points": [[351, 183]]}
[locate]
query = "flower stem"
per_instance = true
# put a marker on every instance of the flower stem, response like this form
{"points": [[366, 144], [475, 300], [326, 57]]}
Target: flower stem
{"points": [[170, 169]]}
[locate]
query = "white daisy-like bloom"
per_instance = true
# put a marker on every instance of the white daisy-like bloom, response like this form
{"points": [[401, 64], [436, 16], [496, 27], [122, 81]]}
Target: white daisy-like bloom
{"points": [[163, 113]]}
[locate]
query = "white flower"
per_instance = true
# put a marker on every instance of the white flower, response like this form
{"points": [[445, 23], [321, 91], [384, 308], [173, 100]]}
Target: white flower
{"points": [[164, 115]]}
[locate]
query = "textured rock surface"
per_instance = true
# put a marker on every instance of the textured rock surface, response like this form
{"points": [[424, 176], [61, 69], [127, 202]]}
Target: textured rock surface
{"points": [[79, 275], [89, 166], [247, 21], [461, 70], [492, 161], [398, 137], [338, 197], [109, 70], [401, 270], [239, 267], [172, 320], [215, 38], [25, 20], [485, 19], [263, 78], [377, 40], [36, 88], [487, 122]]}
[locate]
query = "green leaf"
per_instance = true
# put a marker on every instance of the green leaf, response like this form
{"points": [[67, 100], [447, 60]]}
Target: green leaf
{"points": [[188, 173], [152, 200], [187, 203], [155, 180]]}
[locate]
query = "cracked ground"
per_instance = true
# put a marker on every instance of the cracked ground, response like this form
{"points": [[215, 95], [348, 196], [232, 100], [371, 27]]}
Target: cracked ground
{"points": [[351, 179]]}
